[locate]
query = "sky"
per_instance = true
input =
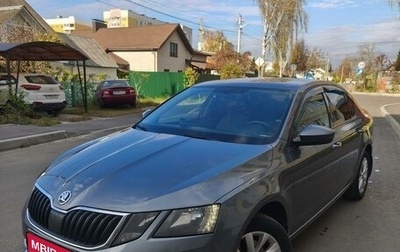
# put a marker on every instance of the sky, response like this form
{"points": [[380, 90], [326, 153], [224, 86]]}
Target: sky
{"points": [[336, 27]]}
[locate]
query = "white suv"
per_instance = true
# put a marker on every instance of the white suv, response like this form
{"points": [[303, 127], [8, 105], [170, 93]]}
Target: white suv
{"points": [[42, 92]]}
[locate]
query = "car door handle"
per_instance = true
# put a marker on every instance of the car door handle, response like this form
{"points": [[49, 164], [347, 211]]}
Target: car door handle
{"points": [[336, 145]]}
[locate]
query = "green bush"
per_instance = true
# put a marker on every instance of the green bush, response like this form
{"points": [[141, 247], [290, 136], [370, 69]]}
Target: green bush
{"points": [[230, 71], [190, 76], [16, 105]]}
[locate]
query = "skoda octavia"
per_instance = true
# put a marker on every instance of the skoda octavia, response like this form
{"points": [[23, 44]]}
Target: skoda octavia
{"points": [[234, 165]]}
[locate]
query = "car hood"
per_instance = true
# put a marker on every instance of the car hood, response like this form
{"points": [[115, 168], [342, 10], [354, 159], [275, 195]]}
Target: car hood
{"points": [[142, 171]]}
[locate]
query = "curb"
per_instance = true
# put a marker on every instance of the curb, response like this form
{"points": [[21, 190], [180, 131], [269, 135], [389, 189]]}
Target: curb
{"points": [[26, 141], [395, 125], [377, 94], [21, 142]]}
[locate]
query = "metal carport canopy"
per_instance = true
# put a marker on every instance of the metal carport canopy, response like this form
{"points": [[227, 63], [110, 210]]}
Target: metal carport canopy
{"points": [[40, 51], [43, 51]]}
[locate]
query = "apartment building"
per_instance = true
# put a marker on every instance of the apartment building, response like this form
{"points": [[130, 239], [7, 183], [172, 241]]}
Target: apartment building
{"points": [[67, 24], [116, 18]]}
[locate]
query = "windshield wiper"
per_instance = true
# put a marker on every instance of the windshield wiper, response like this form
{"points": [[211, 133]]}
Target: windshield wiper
{"points": [[197, 137]]}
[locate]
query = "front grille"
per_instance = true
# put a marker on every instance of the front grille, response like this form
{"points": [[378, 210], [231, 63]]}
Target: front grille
{"points": [[88, 228], [39, 208], [80, 227]]}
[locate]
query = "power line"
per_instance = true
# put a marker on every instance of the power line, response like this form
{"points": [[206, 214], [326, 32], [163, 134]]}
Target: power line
{"points": [[258, 40], [252, 37], [171, 16], [107, 3]]}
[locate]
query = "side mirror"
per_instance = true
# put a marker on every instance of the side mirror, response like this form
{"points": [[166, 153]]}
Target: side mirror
{"points": [[314, 135], [146, 112]]}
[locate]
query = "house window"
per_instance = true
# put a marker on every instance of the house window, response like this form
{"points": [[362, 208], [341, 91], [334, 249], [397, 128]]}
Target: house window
{"points": [[166, 70], [173, 49]]}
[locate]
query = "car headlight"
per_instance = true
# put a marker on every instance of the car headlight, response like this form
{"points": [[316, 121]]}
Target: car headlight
{"points": [[135, 226], [189, 221]]}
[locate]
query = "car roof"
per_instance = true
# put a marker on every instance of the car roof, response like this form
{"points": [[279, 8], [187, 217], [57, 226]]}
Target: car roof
{"points": [[280, 83]]}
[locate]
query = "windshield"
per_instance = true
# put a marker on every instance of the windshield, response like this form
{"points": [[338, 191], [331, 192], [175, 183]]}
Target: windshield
{"points": [[223, 113]]}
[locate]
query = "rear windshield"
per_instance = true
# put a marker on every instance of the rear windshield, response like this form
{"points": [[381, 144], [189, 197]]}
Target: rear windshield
{"points": [[40, 79], [115, 83]]}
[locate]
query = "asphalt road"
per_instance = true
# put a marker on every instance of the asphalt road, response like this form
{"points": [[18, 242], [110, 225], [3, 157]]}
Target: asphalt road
{"points": [[372, 224]]}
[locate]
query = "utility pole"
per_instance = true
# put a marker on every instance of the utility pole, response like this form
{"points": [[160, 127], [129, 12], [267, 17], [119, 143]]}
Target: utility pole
{"points": [[202, 31], [263, 51], [240, 24]]}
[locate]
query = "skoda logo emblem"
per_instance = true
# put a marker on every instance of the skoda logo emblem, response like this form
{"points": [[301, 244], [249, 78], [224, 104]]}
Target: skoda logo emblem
{"points": [[64, 197]]}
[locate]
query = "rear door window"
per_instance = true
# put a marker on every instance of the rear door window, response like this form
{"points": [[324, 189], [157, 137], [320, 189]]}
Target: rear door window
{"points": [[341, 107]]}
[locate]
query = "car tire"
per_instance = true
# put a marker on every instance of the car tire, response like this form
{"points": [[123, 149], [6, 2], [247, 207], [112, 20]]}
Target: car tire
{"points": [[54, 113], [264, 234], [359, 186], [101, 104]]}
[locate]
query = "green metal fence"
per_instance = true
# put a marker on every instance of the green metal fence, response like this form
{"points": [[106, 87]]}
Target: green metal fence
{"points": [[73, 93], [161, 84], [156, 84], [147, 84]]}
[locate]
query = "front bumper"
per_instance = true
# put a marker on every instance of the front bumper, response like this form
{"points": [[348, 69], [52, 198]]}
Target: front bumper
{"points": [[145, 243]]}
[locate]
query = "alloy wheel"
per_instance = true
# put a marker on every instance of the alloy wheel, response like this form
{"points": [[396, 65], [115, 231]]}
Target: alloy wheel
{"points": [[258, 242], [363, 176]]}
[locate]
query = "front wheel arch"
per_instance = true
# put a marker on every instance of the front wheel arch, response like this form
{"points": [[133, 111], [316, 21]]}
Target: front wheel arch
{"points": [[264, 234]]}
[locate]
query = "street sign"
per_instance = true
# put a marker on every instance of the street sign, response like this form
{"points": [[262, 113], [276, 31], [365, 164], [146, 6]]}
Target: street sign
{"points": [[361, 64], [259, 61]]}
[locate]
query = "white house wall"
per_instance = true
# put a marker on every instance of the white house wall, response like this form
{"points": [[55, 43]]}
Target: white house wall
{"points": [[111, 73], [140, 61], [158, 61], [173, 64]]}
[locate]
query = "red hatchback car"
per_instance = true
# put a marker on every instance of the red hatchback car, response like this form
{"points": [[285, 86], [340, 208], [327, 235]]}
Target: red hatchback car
{"points": [[115, 92]]}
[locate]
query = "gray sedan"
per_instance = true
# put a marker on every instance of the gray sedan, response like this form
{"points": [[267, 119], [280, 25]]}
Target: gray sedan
{"points": [[236, 165]]}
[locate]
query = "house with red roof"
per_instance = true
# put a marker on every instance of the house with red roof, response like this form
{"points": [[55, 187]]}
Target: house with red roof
{"points": [[154, 48]]}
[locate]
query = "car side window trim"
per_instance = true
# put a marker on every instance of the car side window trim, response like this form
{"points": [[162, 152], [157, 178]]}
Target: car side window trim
{"points": [[339, 106], [317, 98]]}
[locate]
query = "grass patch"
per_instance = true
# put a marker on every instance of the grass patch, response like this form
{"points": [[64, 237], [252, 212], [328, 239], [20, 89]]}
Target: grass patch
{"points": [[77, 114], [34, 119], [96, 111]]}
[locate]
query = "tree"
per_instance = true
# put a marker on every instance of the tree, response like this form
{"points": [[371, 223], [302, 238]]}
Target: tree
{"points": [[228, 57], [396, 64], [346, 68], [215, 42], [316, 58], [224, 53], [23, 33], [299, 56], [282, 23], [230, 71], [374, 62], [394, 2]]}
